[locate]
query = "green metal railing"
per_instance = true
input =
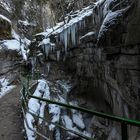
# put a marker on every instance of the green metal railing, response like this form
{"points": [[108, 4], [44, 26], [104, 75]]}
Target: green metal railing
{"points": [[25, 97], [123, 121]]}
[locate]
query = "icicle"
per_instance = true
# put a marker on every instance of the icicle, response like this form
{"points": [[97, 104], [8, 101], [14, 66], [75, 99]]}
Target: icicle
{"points": [[61, 37], [48, 68], [69, 35], [33, 63], [84, 23], [73, 34], [80, 24], [47, 49], [58, 55], [126, 111], [52, 47], [65, 40]]}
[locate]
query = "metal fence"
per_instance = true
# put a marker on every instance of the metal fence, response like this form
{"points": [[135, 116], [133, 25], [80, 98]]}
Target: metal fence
{"points": [[26, 95]]}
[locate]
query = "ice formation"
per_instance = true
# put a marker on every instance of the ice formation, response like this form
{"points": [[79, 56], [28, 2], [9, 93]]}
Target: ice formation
{"points": [[67, 33]]}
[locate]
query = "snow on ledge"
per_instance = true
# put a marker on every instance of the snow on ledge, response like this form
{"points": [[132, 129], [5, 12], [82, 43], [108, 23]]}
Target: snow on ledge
{"points": [[26, 23], [5, 18], [62, 26], [4, 87], [17, 45], [12, 44]]}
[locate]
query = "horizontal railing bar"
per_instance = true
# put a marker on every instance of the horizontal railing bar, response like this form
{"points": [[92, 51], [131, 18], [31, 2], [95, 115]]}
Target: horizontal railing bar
{"points": [[57, 125], [38, 133], [99, 114]]}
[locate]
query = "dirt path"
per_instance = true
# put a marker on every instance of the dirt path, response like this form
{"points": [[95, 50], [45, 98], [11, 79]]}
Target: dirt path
{"points": [[10, 116]]}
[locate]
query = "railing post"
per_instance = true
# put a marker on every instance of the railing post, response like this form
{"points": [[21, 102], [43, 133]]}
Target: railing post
{"points": [[124, 131]]}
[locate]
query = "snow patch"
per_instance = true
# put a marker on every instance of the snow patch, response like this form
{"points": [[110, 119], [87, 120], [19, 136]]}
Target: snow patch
{"points": [[36, 107], [30, 121], [54, 110], [47, 46], [5, 87], [12, 44], [78, 120], [17, 44], [26, 23]]}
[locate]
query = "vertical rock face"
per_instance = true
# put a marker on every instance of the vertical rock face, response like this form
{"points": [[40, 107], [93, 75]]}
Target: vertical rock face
{"points": [[104, 63], [108, 74], [37, 15], [133, 26], [113, 69]]}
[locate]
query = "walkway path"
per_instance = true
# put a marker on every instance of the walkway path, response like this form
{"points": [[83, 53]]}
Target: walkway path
{"points": [[11, 124]]}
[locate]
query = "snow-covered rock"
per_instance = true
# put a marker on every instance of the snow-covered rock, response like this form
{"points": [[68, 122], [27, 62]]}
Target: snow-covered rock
{"points": [[89, 37], [4, 87], [36, 107], [17, 45]]}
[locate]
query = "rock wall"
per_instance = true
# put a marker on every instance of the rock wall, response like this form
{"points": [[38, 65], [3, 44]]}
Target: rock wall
{"points": [[107, 73], [104, 66], [133, 26]]}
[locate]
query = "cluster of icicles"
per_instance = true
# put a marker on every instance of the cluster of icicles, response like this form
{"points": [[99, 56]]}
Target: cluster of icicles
{"points": [[66, 35], [67, 38]]}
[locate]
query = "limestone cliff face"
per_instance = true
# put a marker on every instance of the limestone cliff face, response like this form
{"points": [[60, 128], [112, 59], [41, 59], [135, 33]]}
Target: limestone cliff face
{"points": [[113, 68], [107, 73], [133, 26], [5, 28], [101, 57], [111, 72], [35, 15]]}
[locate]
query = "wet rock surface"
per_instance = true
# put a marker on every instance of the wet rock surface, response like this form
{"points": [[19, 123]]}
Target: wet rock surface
{"points": [[10, 118], [107, 78]]}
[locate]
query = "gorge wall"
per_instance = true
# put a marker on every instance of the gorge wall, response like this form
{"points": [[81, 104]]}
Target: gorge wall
{"points": [[100, 55], [104, 63]]}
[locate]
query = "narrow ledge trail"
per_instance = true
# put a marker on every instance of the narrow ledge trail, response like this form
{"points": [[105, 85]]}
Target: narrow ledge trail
{"points": [[11, 125]]}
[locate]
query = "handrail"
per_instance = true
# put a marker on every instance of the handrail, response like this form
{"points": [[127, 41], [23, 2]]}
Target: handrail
{"points": [[123, 121], [38, 133], [99, 114], [24, 99], [64, 128]]}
